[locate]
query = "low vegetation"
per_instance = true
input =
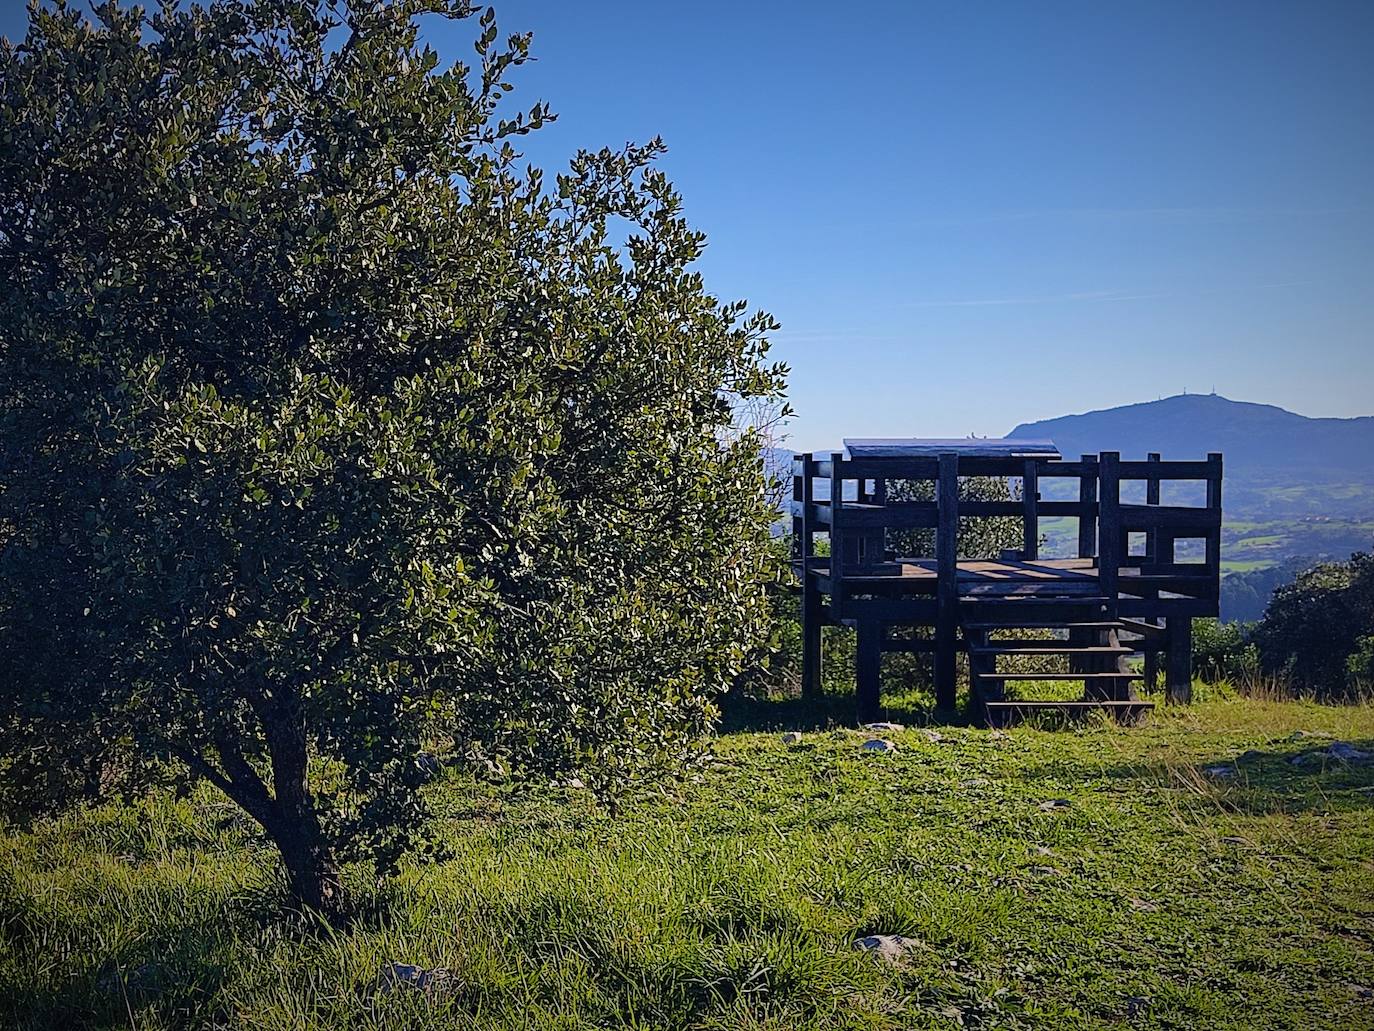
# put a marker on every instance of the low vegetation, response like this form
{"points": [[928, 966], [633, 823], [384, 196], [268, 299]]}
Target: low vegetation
{"points": [[1181, 874]]}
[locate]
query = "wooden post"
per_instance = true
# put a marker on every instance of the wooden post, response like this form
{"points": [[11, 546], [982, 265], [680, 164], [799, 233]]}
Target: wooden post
{"points": [[1109, 527], [947, 582], [838, 544], [1178, 673], [1087, 503], [868, 669], [1151, 664], [811, 595], [1030, 520], [1152, 498], [1214, 502]]}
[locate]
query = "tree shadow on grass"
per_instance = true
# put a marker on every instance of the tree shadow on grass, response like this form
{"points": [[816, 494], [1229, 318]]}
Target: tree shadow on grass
{"points": [[746, 714], [1284, 777]]}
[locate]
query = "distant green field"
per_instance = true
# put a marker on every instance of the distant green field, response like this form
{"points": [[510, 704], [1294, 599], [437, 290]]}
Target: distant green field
{"points": [[1096, 877]]}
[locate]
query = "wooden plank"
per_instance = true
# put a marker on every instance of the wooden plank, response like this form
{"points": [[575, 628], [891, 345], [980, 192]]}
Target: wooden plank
{"points": [[897, 515], [812, 617], [1165, 470], [1087, 502], [1135, 518], [947, 588], [837, 542], [1214, 504], [1109, 526], [1095, 677], [1030, 520], [996, 647], [982, 447]]}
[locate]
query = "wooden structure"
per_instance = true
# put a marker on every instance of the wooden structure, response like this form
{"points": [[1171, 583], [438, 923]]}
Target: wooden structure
{"points": [[1125, 592]]}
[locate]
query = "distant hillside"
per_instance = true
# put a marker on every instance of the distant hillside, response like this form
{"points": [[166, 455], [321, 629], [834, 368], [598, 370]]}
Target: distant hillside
{"points": [[1278, 464]]}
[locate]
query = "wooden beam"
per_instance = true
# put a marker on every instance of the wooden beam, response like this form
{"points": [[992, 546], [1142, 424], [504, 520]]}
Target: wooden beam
{"points": [[1109, 526], [1087, 501], [812, 617], [947, 587], [1030, 520]]}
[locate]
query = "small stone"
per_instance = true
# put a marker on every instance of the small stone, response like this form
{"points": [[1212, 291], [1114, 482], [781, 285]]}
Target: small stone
{"points": [[404, 976], [1143, 906], [792, 737], [1348, 753], [878, 744], [998, 735], [974, 782], [430, 764], [888, 727], [1362, 992], [575, 783], [1041, 850], [1252, 755], [933, 736], [1232, 839], [1221, 770], [1053, 804], [839, 735], [1299, 735], [1046, 871], [891, 947]]}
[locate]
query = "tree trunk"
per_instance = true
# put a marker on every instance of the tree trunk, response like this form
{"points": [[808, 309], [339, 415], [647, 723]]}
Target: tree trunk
{"points": [[312, 872]]}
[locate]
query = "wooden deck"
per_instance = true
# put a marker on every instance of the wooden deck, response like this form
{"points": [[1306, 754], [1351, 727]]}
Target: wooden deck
{"points": [[1126, 578]]}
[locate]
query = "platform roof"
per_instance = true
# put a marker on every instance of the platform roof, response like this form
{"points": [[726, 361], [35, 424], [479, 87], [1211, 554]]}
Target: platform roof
{"points": [[981, 447]]}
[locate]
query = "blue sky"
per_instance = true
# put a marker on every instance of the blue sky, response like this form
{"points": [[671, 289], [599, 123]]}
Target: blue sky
{"points": [[972, 215]]}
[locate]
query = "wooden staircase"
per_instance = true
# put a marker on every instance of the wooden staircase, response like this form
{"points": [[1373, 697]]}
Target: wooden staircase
{"points": [[1081, 632]]}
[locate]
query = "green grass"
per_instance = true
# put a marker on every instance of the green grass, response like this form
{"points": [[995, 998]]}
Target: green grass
{"points": [[1159, 897], [1245, 565]]}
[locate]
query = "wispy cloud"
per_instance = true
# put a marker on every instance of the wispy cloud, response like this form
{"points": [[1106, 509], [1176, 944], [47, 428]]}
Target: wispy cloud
{"points": [[1095, 296], [1162, 214]]}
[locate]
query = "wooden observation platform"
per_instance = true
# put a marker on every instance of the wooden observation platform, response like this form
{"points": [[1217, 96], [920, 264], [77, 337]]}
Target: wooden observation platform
{"points": [[1125, 592]]}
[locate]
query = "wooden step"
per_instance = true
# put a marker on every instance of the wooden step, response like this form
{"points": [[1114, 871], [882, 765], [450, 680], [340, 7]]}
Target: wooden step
{"points": [[1002, 601], [1061, 676], [1045, 624], [1000, 714], [1046, 648], [1078, 706]]}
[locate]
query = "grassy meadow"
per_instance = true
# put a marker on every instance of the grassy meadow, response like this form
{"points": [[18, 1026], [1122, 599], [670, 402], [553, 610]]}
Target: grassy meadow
{"points": [[1094, 876]]}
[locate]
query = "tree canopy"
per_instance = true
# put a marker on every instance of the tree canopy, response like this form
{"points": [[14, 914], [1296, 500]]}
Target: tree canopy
{"points": [[329, 432]]}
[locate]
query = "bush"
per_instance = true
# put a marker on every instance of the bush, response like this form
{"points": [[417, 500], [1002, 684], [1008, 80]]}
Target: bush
{"points": [[1224, 651], [1316, 630]]}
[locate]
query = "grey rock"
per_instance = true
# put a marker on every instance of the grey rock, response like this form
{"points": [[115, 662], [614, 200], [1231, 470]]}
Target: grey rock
{"points": [[1337, 751], [792, 737], [1249, 756], [878, 744], [974, 782], [430, 764], [891, 947], [1222, 770], [1348, 753], [405, 977], [1053, 804], [1299, 735], [888, 727], [933, 736]]}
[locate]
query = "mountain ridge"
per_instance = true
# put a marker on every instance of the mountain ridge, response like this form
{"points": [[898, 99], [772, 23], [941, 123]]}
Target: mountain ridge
{"points": [[1261, 442]]}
